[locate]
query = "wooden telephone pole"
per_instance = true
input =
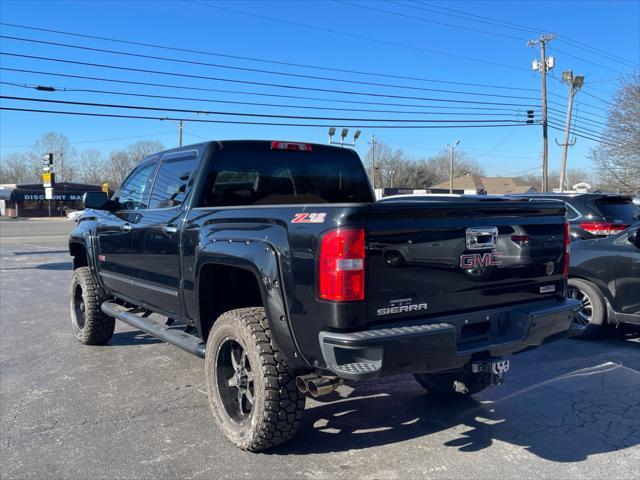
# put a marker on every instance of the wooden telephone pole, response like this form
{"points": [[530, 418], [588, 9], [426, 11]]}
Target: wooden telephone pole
{"points": [[543, 65]]}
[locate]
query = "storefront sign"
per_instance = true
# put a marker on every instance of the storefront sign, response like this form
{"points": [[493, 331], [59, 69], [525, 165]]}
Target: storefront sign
{"points": [[63, 197]]}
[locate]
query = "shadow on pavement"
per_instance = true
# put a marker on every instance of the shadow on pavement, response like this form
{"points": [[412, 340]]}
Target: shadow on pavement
{"points": [[43, 252], [67, 265], [132, 338], [585, 407]]}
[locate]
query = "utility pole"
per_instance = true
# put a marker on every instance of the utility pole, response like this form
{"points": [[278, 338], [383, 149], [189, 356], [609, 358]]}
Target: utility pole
{"points": [[452, 149], [373, 161], [180, 127], [575, 83], [543, 65]]}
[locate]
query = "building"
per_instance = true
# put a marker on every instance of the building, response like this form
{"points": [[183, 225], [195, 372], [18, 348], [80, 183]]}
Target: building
{"points": [[27, 200], [475, 184]]}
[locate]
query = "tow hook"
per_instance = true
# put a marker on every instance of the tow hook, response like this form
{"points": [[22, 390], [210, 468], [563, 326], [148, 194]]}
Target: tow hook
{"points": [[496, 367]]}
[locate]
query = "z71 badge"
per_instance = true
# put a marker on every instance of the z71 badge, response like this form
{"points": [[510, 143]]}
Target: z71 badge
{"points": [[309, 217]]}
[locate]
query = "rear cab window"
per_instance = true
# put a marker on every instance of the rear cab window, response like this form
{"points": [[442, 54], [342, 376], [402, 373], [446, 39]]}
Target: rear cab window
{"points": [[256, 176]]}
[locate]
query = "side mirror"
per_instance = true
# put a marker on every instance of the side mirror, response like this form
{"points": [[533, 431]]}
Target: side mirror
{"points": [[95, 200], [634, 237]]}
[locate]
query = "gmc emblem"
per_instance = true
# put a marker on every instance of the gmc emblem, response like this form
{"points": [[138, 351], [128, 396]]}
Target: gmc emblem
{"points": [[474, 260]]}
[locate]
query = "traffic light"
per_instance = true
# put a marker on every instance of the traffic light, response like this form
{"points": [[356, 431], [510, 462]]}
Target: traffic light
{"points": [[47, 159], [529, 116]]}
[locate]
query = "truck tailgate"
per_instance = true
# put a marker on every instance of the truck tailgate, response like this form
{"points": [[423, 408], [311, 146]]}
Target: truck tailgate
{"points": [[437, 257]]}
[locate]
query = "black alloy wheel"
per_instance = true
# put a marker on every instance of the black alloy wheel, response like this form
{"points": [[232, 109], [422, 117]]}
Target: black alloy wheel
{"points": [[235, 380]]}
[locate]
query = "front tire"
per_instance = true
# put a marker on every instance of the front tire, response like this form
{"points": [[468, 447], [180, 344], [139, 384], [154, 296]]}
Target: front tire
{"points": [[90, 325], [592, 315], [252, 393], [455, 384]]}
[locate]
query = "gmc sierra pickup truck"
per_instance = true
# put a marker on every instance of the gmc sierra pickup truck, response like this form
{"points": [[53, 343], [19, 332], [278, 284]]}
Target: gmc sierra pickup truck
{"points": [[273, 262]]}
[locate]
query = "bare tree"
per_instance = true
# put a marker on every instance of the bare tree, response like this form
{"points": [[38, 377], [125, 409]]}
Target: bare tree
{"points": [[463, 165], [143, 148], [64, 155], [120, 162], [117, 167], [618, 160], [92, 168], [395, 169], [16, 168]]}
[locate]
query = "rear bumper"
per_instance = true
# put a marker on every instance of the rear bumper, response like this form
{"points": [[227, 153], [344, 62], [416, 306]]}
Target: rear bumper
{"points": [[445, 343]]}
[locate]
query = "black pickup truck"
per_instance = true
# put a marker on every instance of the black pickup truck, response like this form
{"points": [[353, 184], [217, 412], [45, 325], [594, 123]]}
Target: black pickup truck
{"points": [[271, 261]]}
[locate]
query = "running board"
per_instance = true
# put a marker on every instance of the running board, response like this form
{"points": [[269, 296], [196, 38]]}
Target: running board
{"points": [[180, 339]]}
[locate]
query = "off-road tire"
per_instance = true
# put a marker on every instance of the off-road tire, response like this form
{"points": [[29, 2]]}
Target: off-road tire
{"points": [[277, 407], [442, 384], [596, 303], [90, 325]]}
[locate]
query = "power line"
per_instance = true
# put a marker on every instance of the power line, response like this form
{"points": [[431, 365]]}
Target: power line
{"points": [[598, 98], [237, 92], [278, 105], [585, 130], [601, 53], [496, 22], [587, 61], [359, 37], [260, 60], [247, 82], [515, 26], [256, 70], [427, 20], [552, 102], [581, 135], [589, 120], [590, 123], [236, 122], [244, 114]]}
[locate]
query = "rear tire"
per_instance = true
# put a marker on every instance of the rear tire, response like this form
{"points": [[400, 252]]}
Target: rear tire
{"points": [[442, 385], [252, 393], [90, 325], [592, 316]]}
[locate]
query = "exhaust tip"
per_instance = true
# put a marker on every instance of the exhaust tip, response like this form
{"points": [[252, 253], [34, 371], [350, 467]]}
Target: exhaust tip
{"points": [[301, 383], [312, 388]]}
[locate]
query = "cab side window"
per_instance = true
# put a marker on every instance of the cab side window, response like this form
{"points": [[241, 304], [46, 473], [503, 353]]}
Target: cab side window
{"points": [[172, 181], [134, 192]]}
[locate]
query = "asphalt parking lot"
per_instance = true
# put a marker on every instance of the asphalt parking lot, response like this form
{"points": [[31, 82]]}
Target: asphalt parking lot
{"points": [[137, 408]]}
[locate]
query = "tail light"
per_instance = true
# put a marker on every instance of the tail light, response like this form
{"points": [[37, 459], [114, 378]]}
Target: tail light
{"points": [[567, 241], [520, 239], [300, 147], [603, 228], [341, 265]]}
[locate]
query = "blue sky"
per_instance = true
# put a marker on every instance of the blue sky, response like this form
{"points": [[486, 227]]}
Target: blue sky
{"points": [[349, 35]]}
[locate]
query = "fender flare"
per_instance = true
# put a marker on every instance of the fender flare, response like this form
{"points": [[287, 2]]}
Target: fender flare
{"points": [[260, 258]]}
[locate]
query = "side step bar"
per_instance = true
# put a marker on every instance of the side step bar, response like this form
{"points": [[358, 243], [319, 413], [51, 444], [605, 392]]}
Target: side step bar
{"points": [[179, 338]]}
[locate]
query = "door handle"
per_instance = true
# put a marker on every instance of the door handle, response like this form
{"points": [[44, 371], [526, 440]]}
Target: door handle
{"points": [[170, 229], [127, 227]]}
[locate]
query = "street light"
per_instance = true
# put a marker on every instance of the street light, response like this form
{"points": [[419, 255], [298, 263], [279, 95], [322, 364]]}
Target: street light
{"points": [[343, 135]]}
